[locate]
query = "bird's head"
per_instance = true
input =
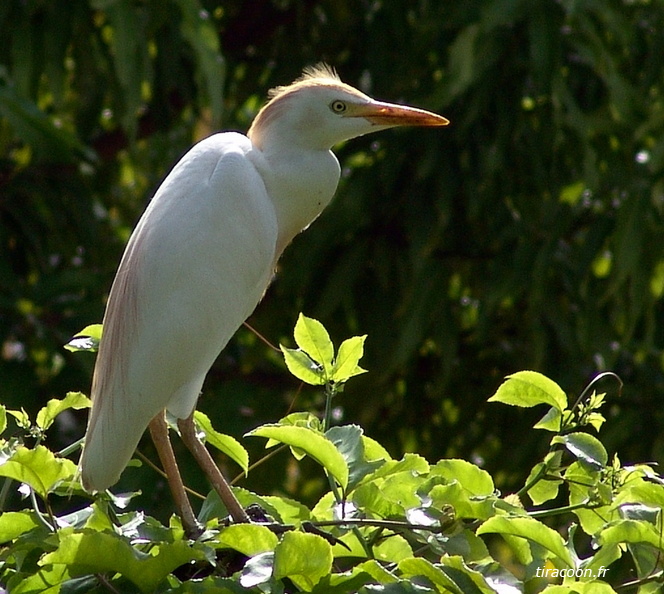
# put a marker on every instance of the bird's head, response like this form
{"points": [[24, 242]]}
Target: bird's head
{"points": [[318, 111]]}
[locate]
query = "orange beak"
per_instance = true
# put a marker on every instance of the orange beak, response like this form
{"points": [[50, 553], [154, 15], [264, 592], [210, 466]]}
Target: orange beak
{"points": [[390, 114]]}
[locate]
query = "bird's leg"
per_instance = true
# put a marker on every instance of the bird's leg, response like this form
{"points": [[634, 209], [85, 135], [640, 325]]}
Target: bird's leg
{"points": [[159, 433], [205, 461]]}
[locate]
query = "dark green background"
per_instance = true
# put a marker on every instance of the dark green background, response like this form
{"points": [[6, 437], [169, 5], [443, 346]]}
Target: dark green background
{"points": [[529, 234]]}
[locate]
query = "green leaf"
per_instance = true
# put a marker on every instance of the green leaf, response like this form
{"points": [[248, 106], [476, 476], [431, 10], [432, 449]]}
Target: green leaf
{"points": [[13, 524], [414, 567], [38, 468], [389, 497], [312, 337], [392, 549], [75, 400], [631, 532], [346, 363], [586, 448], [46, 581], [303, 558], [529, 388], [348, 440], [530, 529], [86, 340], [248, 539], [374, 451], [411, 463], [224, 443], [312, 443], [36, 129], [200, 32], [473, 479], [3, 418], [101, 552], [22, 418], [464, 503], [551, 421], [544, 489], [258, 570], [303, 367], [572, 193], [129, 53]]}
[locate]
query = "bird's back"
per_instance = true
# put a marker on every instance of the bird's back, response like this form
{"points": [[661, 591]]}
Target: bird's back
{"points": [[194, 269]]}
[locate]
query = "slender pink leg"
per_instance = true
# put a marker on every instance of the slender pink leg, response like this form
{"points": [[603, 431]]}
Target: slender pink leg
{"points": [[205, 461], [159, 433]]}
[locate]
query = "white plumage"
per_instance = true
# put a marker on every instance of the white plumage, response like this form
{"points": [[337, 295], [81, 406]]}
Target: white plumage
{"points": [[204, 251]]}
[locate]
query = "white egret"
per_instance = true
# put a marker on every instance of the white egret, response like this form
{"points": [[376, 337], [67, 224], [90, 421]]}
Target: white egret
{"points": [[200, 260]]}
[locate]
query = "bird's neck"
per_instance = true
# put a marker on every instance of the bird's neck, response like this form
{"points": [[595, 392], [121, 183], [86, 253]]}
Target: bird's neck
{"points": [[300, 183]]}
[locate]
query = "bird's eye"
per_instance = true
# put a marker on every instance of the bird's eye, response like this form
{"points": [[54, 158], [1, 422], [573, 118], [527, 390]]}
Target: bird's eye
{"points": [[338, 106]]}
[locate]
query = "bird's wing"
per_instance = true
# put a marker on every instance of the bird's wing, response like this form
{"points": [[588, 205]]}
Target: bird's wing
{"points": [[195, 267]]}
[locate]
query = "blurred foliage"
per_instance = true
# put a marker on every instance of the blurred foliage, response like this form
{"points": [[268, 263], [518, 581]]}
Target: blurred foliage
{"points": [[526, 235]]}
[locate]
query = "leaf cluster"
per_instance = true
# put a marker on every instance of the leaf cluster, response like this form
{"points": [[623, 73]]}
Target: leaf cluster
{"points": [[386, 524]]}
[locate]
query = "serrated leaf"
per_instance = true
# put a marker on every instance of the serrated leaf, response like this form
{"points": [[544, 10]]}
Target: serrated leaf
{"points": [[248, 539], [393, 549], [94, 552], [48, 580], [75, 400], [303, 367], [475, 480], [414, 567], [374, 451], [530, 529], [551, 421], [543, 490], [529, 388], [38, 468], [302, 558], [314, 444], [312, 337], [224, 443], [586, 448], [346, 363], [22, 418], [13, 524], [632, 532]]}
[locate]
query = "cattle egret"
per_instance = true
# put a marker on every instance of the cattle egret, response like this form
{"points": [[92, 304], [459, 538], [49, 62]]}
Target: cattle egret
{"points": [[200, 260]]}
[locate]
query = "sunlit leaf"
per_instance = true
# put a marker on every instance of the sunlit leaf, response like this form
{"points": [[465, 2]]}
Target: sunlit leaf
{"points": [[347, 359], [224, 443], [530, 529], [248, 539], [631, 531], [529, 388], [101, 552], [474, 479], [303, 558], [13, 524], [312, 337], [303, 367], [312, 443], [38, 468], [75, 400], [588, 449], [86, 340]]}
